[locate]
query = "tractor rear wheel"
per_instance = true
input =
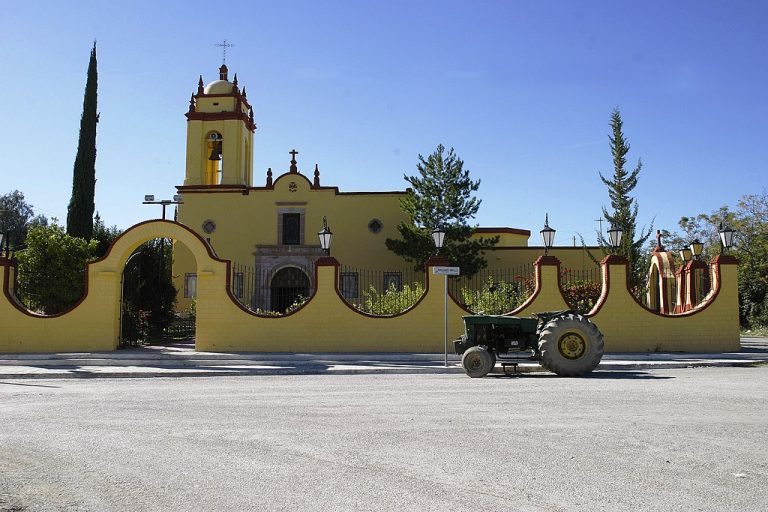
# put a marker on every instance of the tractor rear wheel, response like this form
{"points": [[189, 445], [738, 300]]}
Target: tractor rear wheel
{"points": [[477, 362], [570, 345]]}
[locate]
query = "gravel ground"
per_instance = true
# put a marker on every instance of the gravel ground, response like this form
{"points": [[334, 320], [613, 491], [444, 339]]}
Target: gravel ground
{"points": [[688, 439]]}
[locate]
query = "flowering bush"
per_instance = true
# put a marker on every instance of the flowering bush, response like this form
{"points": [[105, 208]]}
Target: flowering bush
{"points": [[580, 292]]}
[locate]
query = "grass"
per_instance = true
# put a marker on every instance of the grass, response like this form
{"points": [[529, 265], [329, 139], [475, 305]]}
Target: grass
{"points": [[758, 332]]}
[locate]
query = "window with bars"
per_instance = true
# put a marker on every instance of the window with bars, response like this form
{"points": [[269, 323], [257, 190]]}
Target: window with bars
{"points": [[349, 285]]}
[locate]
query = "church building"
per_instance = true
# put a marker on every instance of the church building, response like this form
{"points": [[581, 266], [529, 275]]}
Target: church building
{"points": [[270, 227]]}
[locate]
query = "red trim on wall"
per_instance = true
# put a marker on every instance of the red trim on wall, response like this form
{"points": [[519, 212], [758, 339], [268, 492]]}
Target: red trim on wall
{"points": [[222, 116], [437, 261], [27, 312], [511, 231], [726, 259], [327, 261], [204, 189]]}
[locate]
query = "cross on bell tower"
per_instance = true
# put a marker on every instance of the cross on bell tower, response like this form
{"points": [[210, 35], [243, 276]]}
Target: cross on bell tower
{"points": [[224, 45]]}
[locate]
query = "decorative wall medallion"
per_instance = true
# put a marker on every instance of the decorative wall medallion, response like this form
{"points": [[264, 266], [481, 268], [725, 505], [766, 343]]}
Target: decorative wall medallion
{"points": [[375, 226], [209, 226], [292, 186]]}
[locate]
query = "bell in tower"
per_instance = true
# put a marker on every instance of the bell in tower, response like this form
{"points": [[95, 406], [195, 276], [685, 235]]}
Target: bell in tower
{"points": [[220, 130]]}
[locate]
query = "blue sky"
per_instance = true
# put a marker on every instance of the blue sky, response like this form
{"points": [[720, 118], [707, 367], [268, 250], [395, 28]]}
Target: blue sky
{"points": [[522, 90]]}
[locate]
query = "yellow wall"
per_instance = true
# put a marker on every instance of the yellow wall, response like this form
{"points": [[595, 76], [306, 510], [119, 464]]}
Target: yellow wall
{"points": [[93, 324], [244, 220], [507, 237], [712, 326], [327, 324], [236, 151], [574, 258]]}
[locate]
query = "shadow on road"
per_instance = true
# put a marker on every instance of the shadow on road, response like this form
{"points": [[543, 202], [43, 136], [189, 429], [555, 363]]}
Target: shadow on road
{"points": [[29, 385], [604, 374]]}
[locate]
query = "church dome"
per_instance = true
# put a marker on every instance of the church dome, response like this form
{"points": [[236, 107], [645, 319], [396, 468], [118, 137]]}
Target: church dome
{"points": [[219, 87]]}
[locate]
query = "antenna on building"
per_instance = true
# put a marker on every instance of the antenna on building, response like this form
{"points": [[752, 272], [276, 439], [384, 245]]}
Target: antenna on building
{"points": [[224, 45]]}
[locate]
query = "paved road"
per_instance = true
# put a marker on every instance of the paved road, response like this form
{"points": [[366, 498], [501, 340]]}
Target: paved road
{"points": [[685, 439]]}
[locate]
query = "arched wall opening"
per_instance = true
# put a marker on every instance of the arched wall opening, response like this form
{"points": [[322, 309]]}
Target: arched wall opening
{"points": [[289, 285], [148, 298], [147, 290]]}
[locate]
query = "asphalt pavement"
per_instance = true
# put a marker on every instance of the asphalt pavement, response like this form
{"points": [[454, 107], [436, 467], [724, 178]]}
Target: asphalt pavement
{"points": [[181, 360], [638, 440]]}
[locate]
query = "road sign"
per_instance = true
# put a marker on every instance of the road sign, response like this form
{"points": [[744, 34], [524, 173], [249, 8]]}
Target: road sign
{"points": [[446, 271]]}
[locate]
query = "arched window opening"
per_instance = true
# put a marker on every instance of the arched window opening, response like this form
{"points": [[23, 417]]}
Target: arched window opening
{"points": [[215, 161]]}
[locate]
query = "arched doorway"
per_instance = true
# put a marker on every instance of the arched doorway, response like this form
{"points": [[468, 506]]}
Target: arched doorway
{"points": [[149, 312], [287, 286]]}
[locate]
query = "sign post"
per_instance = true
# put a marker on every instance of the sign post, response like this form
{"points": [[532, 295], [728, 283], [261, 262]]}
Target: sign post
{"points": [[446, 271]]}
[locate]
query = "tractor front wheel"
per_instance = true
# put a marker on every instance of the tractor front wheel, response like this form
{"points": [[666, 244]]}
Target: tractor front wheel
{"points": [[570, 345], [477, 362]]}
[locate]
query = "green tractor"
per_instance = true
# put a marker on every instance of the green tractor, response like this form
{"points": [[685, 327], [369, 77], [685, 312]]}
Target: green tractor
{"points": [[563, 342]]}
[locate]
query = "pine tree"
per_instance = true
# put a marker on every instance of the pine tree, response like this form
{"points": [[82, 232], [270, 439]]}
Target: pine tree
{"points": [[81, 205], [624, 207], [441, 197]]}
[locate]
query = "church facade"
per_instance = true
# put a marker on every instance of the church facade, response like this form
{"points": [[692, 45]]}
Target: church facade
{"points": [[272, 226]]}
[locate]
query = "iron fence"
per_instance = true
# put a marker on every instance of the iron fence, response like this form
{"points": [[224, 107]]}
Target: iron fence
{"points": [[380, 292], [581, 288], [271, 292], [494, 291], [570, 277]]}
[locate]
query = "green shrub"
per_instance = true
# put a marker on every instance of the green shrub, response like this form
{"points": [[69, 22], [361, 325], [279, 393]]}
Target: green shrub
{"points": [[392, 301], [498, 297], [299, 301]]}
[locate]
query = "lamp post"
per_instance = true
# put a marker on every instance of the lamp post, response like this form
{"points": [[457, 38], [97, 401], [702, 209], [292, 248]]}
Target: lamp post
{"points": [[685, 254], [696, 248], [547, 235], [150, 199], [325, 236], [438, 235], [726, 238], [614, 235]]}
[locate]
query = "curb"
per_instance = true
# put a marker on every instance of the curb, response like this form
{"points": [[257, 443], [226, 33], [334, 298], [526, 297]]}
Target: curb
{"points": [[159, 372]]}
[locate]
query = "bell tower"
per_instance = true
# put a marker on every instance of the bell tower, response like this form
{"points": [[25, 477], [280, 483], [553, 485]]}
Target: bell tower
{"points": [[220, 130]]}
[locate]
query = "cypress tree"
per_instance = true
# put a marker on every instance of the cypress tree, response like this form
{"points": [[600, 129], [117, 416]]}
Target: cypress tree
{"points": [[624, 206], [81, 205]]}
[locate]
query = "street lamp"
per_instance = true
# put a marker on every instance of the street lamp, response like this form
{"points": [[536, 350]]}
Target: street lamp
{"points": [[726, 238], [150, 199], [685, 254], [696, 248], [547, 235], [325, 236], [614, 235], [438, 235]]}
